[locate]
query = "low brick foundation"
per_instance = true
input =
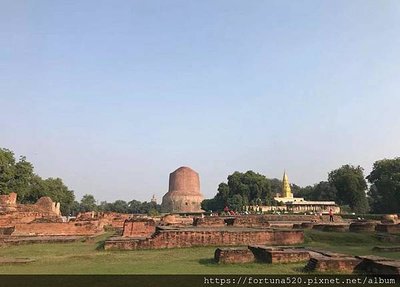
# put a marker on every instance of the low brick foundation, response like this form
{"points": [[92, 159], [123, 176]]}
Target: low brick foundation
{"points": [[379, 265], [279, 254], [187, 237], [233, 255], [66, 228], [251, 221], [20, 240], [332, 264], [388, 228], [238, 221], [210, 221], [331, 227], [266, 220], [139, 227]]}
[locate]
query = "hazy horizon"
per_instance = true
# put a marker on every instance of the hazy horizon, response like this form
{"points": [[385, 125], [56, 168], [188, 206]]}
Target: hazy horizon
{"points": [[113, 96]]}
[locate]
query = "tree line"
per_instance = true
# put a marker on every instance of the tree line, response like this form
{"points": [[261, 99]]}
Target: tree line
{"points": [[379, 192], [18, 176], [89, 203]]}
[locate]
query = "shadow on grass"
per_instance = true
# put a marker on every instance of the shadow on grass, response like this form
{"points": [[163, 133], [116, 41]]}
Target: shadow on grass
{"points": [[100, 245], [207, 261], [101, 239]]}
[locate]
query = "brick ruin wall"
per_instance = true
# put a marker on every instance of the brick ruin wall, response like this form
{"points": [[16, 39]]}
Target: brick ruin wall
{"points": [[8, 199], [12, 213], [113, 219], [12, 218], [139, 228], [58, 229], [259, 220], [234, 255], [188, 238]]}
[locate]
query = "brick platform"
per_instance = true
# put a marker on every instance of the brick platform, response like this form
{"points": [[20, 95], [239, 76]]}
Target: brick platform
{"points": [[139, 227], [388, 228], [269, 254], [167, 237], [233, 255], [362, 227], [379, 265], [332, 264]]}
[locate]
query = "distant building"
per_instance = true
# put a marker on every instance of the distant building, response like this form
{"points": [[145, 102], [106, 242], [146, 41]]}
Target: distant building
{"points": [[154, 199], [293, 204]]}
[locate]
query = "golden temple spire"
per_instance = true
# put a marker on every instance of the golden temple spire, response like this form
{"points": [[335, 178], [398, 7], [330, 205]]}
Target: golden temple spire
{"points": [[286, 190]]}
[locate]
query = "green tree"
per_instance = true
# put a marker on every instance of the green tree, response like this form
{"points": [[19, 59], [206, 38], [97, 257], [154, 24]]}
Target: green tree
{"points": [[15, 176], [75, 208], [18, 176], [134, 206], [306, 192], [214, 204], [7, 170], [119, 206], [351, 185], [384, 192], [236, 202], [242, 188], [324, 191], [88, 203]]}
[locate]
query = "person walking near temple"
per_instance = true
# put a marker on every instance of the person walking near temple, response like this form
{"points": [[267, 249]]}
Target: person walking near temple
{"points": [[331, 215]]}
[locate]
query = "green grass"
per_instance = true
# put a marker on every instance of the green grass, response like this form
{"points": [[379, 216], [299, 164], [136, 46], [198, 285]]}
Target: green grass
{"points": [[87, 258]]}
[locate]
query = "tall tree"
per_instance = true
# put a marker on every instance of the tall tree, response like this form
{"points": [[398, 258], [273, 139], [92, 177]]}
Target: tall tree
{"points": [[18, 176], [241, 189], [325, 191], [351, 185], [88, 203], [385, 186]]}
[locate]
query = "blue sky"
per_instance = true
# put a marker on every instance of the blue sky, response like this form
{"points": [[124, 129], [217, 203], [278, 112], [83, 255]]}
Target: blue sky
{"points": [[112, 96]]}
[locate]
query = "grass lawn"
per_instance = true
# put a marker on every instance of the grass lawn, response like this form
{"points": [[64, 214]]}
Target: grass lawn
{"points": [[87, 258]]}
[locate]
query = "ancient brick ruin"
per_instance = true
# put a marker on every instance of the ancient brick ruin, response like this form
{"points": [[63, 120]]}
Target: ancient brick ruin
{"points": [[12, 213], [379, 265], [184, 192], [109, 219], [42, 221], [139, 227], [230, 255], [170, 237], [269, 254], [142, 233], [316, 260]]}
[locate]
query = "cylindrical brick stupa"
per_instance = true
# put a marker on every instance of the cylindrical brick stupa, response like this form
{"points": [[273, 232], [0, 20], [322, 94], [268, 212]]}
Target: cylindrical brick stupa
{"points": [[184, 192]]}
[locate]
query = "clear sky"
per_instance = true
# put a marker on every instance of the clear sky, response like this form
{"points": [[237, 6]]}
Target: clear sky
{"points": [[112, 96]]}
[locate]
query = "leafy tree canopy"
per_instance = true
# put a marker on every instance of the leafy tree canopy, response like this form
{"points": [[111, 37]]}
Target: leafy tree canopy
{"points": [[351, 185], [384, 192], [18, 176]]}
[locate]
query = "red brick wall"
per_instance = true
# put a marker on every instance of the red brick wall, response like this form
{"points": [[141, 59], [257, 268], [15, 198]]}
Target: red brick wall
{"points": [[233, 255], [209, 221], [12, 218], [189, 238], [259, 220], [65, 228], [139, 228]]}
